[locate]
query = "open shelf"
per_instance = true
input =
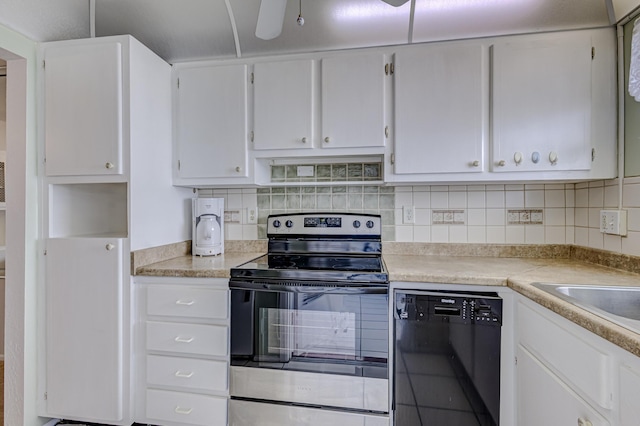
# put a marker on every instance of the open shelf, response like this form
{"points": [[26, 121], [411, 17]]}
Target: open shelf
{"points": [[88, 210]]}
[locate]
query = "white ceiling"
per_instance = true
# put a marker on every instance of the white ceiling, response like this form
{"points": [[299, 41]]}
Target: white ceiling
{"points": [[184, 30]]}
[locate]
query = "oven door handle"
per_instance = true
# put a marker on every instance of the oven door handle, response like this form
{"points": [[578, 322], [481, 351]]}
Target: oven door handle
{"points": [[310, 288]]}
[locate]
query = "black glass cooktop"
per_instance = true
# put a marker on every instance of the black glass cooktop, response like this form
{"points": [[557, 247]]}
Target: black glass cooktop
{"points": [[314, 268]]}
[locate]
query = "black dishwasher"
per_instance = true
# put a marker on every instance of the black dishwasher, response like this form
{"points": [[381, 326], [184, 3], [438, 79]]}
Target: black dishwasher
{"points": [[446, 358]]}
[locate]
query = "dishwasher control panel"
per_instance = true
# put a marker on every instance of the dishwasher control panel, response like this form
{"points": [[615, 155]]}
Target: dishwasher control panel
{"points": [[485, 308]]}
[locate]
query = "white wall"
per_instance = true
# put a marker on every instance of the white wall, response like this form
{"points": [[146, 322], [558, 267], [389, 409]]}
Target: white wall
{"points": [[22, 208]]}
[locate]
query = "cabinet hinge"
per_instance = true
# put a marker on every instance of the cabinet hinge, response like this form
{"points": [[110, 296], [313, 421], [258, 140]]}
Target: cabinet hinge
{"points": [[593, 52], [393, 158], [252, 78]]}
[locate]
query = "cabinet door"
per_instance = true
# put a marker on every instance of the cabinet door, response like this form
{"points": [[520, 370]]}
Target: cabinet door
{"points": [[83, 109], [440, 109], [629, 391], [283, 105], [84, 331], [542, 103], [543, 399], [353, 101], [211, 113]]}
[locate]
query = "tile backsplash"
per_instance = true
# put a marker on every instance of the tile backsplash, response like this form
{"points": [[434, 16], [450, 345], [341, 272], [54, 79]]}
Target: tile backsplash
{"points": [[513, 213]]}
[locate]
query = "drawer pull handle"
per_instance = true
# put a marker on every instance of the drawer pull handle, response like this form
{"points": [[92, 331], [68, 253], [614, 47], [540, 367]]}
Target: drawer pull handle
{"points": [[181, 410], [185, 302], [181, 339], [184, 375]]}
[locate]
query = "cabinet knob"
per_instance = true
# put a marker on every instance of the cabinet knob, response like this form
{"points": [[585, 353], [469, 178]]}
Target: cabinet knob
{"points": [[584, 422], [475, 163], [109, 246], [501, 163], [108, 165], [238, 169], [386, 131], [304, 140], [553, 157], [184, 375], [327, 140], [181, 339], [517, 158]]}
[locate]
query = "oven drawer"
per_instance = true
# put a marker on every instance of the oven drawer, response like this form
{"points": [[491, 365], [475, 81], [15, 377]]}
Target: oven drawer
{"points": [[249, 413], [187, 302], [196, 374], [198, 339], [186, 408]]}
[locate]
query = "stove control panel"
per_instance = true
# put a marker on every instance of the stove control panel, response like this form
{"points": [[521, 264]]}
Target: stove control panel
{"points": [[324, 224]]}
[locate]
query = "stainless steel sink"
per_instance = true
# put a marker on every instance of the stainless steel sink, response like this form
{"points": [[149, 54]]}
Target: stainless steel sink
{"points": [[620, 305]]}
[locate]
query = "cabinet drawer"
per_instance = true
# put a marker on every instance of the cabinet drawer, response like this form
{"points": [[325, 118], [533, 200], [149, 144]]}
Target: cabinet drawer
{"points": [[565, 353], [197, 374], [186, 408], [187, 302], [196, 339]]}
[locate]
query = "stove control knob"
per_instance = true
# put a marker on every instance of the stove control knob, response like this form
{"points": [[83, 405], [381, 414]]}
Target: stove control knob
{"points": [[356, 224], [276, 223], [289, 224], [369, 224]]}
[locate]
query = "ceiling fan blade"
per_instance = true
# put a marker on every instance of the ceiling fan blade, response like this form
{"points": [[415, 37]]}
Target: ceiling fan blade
{"points": [[395, 3], [270, 19]]}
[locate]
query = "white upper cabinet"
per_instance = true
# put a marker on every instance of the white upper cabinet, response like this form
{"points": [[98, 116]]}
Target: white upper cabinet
{"points": [[542, 103], [83, 109], [353, 101], [283, 105], [211, 122], [440, 109]]}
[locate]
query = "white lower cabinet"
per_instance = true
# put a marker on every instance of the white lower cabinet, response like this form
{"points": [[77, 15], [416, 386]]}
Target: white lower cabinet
{"points": [[85, 335], [629, 391], [567, 375], [185, 408], [544, 399], [182, 351]]}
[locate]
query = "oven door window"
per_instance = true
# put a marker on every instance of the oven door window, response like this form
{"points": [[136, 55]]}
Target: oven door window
{"points": [[318, 332]]}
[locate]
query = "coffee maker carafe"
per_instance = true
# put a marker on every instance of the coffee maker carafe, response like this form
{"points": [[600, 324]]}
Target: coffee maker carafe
{"points": [[207, 226]]}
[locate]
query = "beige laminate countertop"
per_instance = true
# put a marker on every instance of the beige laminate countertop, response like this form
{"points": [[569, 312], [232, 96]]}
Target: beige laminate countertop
{"points": [[513, 272]]}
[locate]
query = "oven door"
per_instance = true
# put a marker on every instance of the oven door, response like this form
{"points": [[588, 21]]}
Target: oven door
{"points": [[310, 344]]}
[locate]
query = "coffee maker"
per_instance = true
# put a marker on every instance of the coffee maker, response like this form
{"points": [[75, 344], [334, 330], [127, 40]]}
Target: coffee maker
{"points": [[207, 226]]}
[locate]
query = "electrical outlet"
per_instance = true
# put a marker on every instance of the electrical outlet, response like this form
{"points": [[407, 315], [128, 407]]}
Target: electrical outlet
{"points": [[408, 214], [613, 222], [252, 215]]}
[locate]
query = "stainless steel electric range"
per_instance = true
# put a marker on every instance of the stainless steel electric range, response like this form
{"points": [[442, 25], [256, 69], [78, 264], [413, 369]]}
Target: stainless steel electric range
{"points": [[310, 325]]}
